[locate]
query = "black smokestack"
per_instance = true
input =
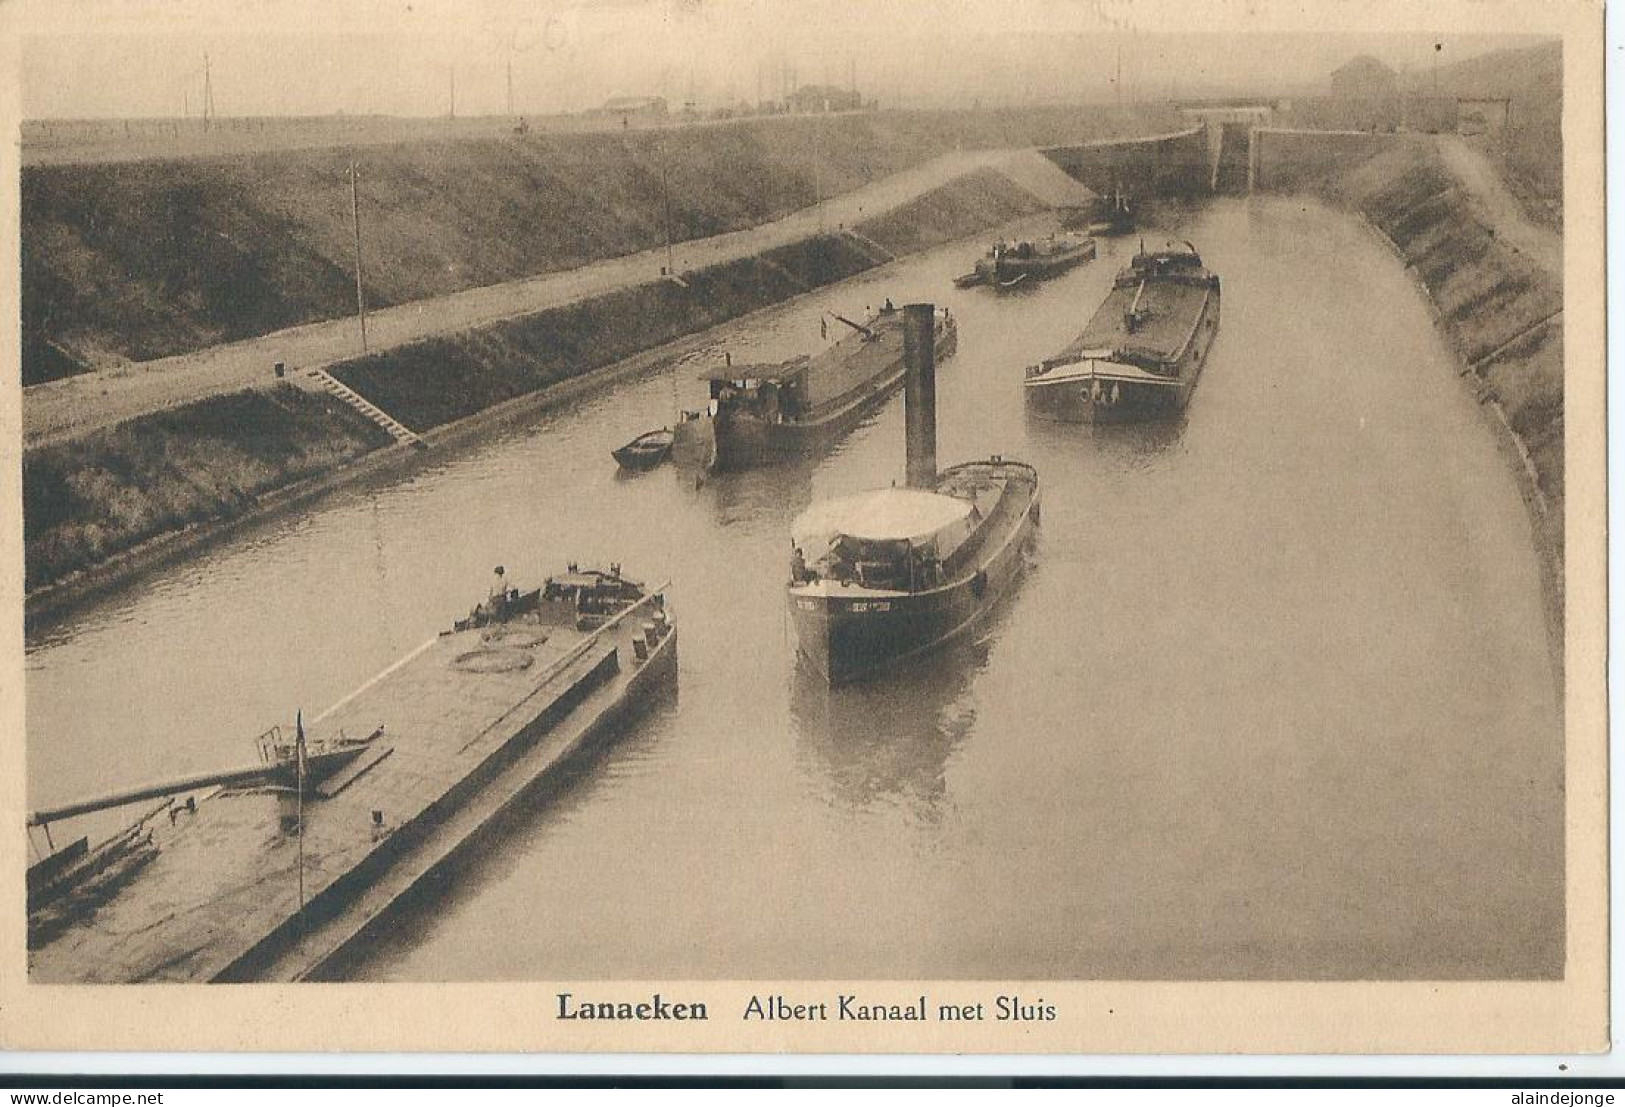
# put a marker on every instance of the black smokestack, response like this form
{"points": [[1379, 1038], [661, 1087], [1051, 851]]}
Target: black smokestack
{"points": [[920, 393]]}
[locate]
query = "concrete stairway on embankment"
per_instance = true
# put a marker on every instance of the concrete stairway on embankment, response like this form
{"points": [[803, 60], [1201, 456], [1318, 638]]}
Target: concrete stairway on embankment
{"points": [[877, 253], [397, 430]]}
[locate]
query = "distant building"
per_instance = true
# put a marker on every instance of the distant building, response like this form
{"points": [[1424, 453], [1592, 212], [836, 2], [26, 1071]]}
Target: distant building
{"points": [[813, 98], [1365, 78], [1365, 96], [628, 108]]}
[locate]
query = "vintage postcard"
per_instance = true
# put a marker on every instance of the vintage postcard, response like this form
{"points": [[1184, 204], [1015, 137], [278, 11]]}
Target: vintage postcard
{"points": [[905, 526]]}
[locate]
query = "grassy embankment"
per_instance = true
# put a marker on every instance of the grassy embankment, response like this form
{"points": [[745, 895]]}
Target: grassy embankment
{"points": [[89, 500], [1529, 149], [140, 260], [428, 384], [1493, 302], [973, 203], [210, 462], [434, 382]]}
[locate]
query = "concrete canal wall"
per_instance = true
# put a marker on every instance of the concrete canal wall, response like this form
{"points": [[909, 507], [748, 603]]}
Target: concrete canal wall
{"points": [[1161, 165], [1282, 160]]}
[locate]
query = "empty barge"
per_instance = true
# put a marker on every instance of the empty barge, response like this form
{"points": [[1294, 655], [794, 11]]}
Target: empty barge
{"points": [[282, 875]]}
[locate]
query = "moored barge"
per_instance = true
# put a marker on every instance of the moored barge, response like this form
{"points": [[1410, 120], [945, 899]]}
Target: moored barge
{"points": [[764, 413], [281, 878], [1142, 352]]}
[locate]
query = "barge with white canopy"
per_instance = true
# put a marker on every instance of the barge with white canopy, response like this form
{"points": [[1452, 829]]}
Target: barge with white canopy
{"points": [[897, 571], [885, 575]]}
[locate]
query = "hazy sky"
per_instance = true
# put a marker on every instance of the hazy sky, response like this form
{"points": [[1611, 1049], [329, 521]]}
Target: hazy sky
{"points": [[146, 57]]}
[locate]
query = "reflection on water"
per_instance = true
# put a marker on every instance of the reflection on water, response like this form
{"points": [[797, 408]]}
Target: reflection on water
{"points": [[1120, 446], [755, 494], [888, 740], [1274, 703], [877, 746]]}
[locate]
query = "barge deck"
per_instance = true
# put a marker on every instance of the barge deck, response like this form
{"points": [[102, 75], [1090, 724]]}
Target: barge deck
{"points": [[472, 721]]}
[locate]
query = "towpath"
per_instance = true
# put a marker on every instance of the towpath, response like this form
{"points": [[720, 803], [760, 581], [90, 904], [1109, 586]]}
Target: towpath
{"points": [[1512, 224], [65, 409]]}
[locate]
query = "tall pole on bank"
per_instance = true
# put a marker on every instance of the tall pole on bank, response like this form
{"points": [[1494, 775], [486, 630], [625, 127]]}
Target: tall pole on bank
{"points": [[818, 171], [208, 95], [1119, 81], [665, 192], [355, 219]]}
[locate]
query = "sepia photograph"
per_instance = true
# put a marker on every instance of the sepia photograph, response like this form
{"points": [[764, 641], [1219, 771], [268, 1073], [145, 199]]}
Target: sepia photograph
{"points": [[646, 501]]}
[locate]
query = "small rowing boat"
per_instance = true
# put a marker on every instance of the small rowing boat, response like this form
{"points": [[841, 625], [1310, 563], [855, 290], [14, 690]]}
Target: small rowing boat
{"points": [[645, 451]]}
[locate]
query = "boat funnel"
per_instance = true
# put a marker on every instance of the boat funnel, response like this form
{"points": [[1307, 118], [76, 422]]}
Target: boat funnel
{"points": [[920, 393]]}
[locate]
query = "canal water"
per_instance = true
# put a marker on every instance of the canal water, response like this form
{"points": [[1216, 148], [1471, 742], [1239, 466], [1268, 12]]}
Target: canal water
{"points": [[1272, 701]]}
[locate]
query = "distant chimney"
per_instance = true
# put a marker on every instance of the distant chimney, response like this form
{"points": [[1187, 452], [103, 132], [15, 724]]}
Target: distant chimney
{"points": [[920, 393]]}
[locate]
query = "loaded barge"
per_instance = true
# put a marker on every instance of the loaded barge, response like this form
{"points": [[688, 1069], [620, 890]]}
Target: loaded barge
{"points": [[882, 576], [1141, 354], [284, 873], [1007, 266], [760, 414]]}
